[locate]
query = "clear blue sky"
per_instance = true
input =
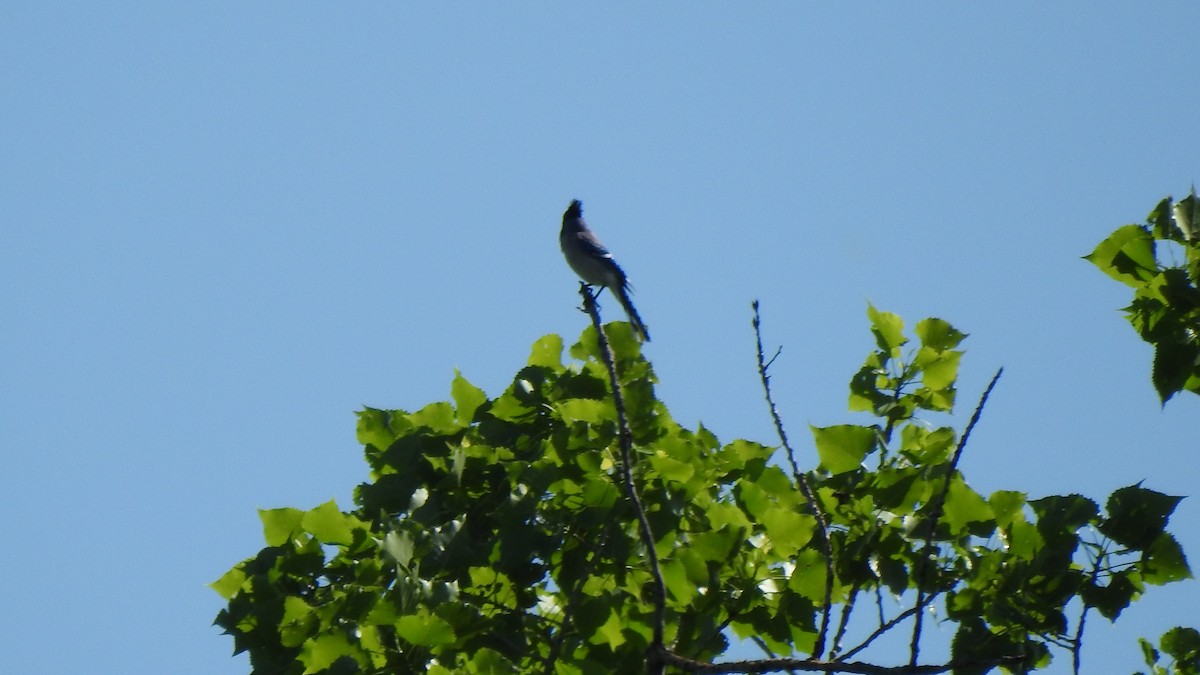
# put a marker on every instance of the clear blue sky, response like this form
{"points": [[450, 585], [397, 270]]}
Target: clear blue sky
{"points": [[229, 225]]}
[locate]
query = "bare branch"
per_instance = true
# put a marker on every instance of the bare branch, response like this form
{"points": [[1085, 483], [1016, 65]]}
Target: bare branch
{"points": [[885, 627], [1077, 641], [655, 665], [844, 621], [801, 481], [818, 666], [935, 514]]}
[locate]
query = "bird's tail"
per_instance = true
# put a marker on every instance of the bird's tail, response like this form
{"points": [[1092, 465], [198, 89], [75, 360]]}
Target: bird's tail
{"points": [[638, 327]]}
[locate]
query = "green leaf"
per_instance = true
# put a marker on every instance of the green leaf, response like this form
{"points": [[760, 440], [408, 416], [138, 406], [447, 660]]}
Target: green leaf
{"points": [[756, 499], [1183, 644], [1164, 561], [788, 531], [938, 334], [1149, 653], [1136, 516], [586, 410], [672, 469], [399, 545], [297, 622], [279, 525], [1112, 598], [384, 613], [230, 582], [1063, 514], [864, 387], [843, 447], [808, 577], [1007, 506], [610, 632], [321, 652], [888, 329], [490, 662], [716, 546], [373, 428], [425, 629], [547, 352], [1127, 255], [1175, 363], [1186, 216], [467, 398], [437, 417], [964, 505], [724, 514], [938, 369], [1023, 539], [509, 406], [329, 525], [675, 576]]}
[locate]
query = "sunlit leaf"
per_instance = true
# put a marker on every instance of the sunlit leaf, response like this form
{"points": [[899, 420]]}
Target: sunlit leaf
{"points": [[1164, 561], [888, 329], [547, 352], [328, 524], [467, 398], [672, 469], [586, 410], [373, 428], [938, 369], [437, 417], [321, 652], [1007, 506], [424, 629], [938, 334], [964, 505], [229, 583], [789, 531], [280, 524], [843, 447], [610, 631], [1127, 255]]}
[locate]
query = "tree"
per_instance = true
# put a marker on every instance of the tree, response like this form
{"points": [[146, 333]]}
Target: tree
{"points": [[570, 525]]}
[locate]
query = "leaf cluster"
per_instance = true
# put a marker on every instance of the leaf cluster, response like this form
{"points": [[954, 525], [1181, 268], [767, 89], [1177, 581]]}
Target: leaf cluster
{"points": [[1165, 310], [494, 536]]}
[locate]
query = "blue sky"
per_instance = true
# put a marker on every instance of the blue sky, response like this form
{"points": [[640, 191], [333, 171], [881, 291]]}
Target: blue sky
{"points": [[227, 226]]}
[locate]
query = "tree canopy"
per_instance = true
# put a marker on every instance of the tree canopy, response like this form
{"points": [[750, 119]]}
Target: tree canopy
{"points": [[571, 525]]}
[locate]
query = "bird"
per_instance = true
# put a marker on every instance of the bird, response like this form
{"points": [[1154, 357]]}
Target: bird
{"points": [[594, 264]]}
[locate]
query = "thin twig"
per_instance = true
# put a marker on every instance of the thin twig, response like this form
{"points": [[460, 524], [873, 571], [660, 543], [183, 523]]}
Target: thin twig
{"points": [[762, 644], [935, 514], [801, 481], [885, 627], [844, 621], [1077, 643], [879, 602], [655, 665], [818, 666]]}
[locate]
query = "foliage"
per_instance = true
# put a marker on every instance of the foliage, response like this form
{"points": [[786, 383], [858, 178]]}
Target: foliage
{"points": [[1166, 300], [496, 535], [1182, 645]]}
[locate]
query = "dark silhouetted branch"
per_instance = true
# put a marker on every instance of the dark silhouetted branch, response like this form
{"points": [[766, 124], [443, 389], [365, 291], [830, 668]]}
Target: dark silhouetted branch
{"points": [[935, 514], [801, 481], [655, 665]]}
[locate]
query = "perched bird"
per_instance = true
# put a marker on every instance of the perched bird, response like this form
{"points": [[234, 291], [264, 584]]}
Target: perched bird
{"points": [[594, 264]]}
